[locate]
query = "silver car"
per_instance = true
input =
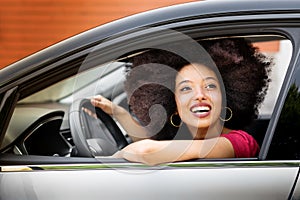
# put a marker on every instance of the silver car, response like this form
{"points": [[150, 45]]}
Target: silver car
{"points": [[50, 148]]}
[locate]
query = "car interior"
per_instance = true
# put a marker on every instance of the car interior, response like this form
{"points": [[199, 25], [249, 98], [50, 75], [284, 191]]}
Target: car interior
{"points": [[40, 124]]}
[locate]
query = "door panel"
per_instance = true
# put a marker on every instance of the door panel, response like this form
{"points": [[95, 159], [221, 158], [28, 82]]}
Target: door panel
{"points": [[193, 180]]}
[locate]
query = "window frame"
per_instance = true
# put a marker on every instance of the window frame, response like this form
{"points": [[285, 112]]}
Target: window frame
{"points": [[206, 28]]}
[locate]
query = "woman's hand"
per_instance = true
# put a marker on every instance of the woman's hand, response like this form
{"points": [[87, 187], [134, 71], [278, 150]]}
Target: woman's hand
{"points": [[107, 106], [133, 129], [103, 103]]}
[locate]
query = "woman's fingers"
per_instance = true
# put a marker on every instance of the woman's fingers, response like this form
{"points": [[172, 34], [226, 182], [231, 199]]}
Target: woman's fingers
{"points": [[100, 102], [96, 100], [89, 112], [103, 103]]}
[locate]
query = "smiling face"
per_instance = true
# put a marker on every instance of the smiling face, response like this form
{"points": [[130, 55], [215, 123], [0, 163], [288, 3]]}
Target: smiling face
{"points": [[198, 96]]}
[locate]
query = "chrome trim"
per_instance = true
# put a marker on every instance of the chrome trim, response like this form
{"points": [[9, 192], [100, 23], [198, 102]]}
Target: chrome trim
{"points": [[169, 166]]}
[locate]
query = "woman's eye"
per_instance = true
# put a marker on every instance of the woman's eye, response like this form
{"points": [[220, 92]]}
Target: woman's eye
{"points": [[186, 88], [211, 86]]}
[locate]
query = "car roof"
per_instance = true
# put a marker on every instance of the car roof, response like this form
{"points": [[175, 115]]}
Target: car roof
{"points": [[170, 14]]}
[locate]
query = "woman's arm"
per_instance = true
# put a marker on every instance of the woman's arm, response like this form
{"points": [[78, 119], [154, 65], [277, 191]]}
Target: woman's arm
{"points": [[133, 129], [153, 152]]}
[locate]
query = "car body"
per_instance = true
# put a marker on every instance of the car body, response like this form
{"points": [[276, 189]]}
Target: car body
{"points": [[39, 160]]}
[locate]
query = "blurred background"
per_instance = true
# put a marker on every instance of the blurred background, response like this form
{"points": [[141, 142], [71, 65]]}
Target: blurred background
{"points": [[27, 26]]}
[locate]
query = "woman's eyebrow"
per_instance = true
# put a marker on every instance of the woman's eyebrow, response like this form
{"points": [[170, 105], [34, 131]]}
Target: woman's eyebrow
{"points": [[206, 79], [211, 78], [182, 82]]}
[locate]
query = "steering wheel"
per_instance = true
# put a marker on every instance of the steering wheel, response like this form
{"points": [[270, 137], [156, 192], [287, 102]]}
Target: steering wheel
{"points": [[92, 136]]}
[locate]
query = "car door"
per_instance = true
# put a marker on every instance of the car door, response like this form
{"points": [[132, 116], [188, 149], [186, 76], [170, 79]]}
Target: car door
{"points": [[284, 145], [265, 177]]}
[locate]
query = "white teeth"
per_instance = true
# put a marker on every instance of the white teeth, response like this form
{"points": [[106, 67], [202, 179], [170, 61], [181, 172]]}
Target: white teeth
{"points": [[200, 109]]}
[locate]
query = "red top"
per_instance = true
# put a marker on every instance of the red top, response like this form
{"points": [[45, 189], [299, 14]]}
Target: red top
{"points": [[244, 145]]}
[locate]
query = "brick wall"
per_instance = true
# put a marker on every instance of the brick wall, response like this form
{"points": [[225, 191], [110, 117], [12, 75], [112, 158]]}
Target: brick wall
{"points": [[27, 26]]}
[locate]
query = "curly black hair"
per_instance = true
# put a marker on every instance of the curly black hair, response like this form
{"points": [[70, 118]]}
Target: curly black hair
{"points": [[244, 70], [245, 73], [150, 82]]}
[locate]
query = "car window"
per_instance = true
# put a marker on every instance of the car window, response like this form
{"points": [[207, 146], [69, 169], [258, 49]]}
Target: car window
{"points": [[285, 144], [78, 85], [280, 51], [107, 79]]}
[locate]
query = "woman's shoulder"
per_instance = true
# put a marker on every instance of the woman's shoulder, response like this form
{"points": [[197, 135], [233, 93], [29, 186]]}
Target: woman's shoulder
{"points": [[243, 143], [239, 135]]}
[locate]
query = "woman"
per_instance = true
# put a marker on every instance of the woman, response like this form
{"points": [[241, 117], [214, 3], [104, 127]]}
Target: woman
{"points": [[200, 104]]}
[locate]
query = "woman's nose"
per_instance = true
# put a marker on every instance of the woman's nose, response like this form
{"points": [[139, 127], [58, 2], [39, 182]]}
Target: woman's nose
{"points": [[199, 94]]}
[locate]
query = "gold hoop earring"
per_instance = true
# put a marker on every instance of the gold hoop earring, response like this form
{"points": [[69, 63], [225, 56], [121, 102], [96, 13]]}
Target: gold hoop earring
{"points": [[171, 120], [229, 118]]}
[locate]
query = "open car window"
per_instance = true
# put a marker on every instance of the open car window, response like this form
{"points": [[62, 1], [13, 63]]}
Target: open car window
{"points": [[107, 79]]}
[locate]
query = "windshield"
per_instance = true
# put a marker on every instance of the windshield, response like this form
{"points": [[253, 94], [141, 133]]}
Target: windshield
{"points": [[81, 85]]}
